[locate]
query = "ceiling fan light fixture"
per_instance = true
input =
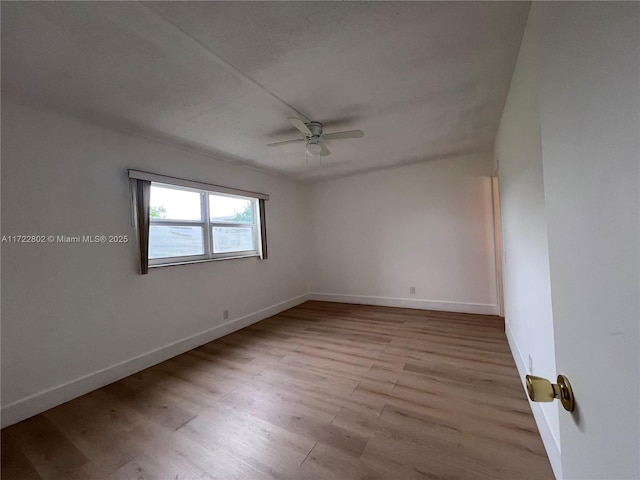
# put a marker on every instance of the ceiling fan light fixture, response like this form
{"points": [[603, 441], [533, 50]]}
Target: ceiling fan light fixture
{"points": [[314, 149]]}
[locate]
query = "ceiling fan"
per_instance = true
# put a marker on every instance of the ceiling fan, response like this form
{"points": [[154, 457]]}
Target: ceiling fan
{"points": [[314, 137]]}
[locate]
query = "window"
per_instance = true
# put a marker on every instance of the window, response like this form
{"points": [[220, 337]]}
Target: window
{"points": [[187, 224], [182, 221]]}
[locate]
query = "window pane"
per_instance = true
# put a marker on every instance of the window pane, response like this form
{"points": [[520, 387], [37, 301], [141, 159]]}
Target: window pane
{"points": [[175, 241], [232, 239], [230, 209], [173, 204]]}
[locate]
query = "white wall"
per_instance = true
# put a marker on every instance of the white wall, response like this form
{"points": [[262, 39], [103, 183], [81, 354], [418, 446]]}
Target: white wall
{"points": [[590, 129], [426, 225], [527, 290], [72, 313]]}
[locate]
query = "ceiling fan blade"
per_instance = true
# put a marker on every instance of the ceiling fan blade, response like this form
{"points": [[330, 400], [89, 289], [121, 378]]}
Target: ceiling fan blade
{"points": [[325, 151], [277, 144], [347, 134], [300, 125]]}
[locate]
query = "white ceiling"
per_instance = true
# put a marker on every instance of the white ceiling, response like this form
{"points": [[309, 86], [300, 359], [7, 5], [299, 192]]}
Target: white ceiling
{"points": [[423, 80]]}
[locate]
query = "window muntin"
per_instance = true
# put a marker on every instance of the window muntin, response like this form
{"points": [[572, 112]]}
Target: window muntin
{"points": [[188, 224]]}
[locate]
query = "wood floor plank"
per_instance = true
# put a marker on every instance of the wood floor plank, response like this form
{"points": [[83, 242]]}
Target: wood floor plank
{"points": [[13, 460], [332, 393], [268, 448], [49, 452], [297, 418], [101, 435], [320, 391], [332, 464]]}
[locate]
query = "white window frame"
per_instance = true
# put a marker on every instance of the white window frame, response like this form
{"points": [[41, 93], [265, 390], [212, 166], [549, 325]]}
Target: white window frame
{"points": [[207, 225], [137, 206]]}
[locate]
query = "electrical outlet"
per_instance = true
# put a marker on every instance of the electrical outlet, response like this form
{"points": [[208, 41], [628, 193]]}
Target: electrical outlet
{"points": [[530, 365], [225, 314], [412, 290]]}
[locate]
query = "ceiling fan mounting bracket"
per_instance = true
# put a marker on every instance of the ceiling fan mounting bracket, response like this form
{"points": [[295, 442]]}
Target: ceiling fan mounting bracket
{"points": [[315, 128]]}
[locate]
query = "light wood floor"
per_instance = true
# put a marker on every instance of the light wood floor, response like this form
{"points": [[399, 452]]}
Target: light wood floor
{"points": [[321, 391]]}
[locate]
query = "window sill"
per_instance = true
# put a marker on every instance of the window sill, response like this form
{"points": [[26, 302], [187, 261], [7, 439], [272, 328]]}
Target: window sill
{"points": [[207, 260]]}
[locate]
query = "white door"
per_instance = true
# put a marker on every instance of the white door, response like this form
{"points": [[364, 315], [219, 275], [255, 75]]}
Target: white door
{"points": [[589, 56]]}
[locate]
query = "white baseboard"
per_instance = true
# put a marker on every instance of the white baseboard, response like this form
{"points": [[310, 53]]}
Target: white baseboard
{"points": [[460, 307], [41, 401], [550, 443]]}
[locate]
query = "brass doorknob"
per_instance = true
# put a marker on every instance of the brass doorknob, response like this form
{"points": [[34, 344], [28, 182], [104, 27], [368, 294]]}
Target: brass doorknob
{"points": [[542, 390]]}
